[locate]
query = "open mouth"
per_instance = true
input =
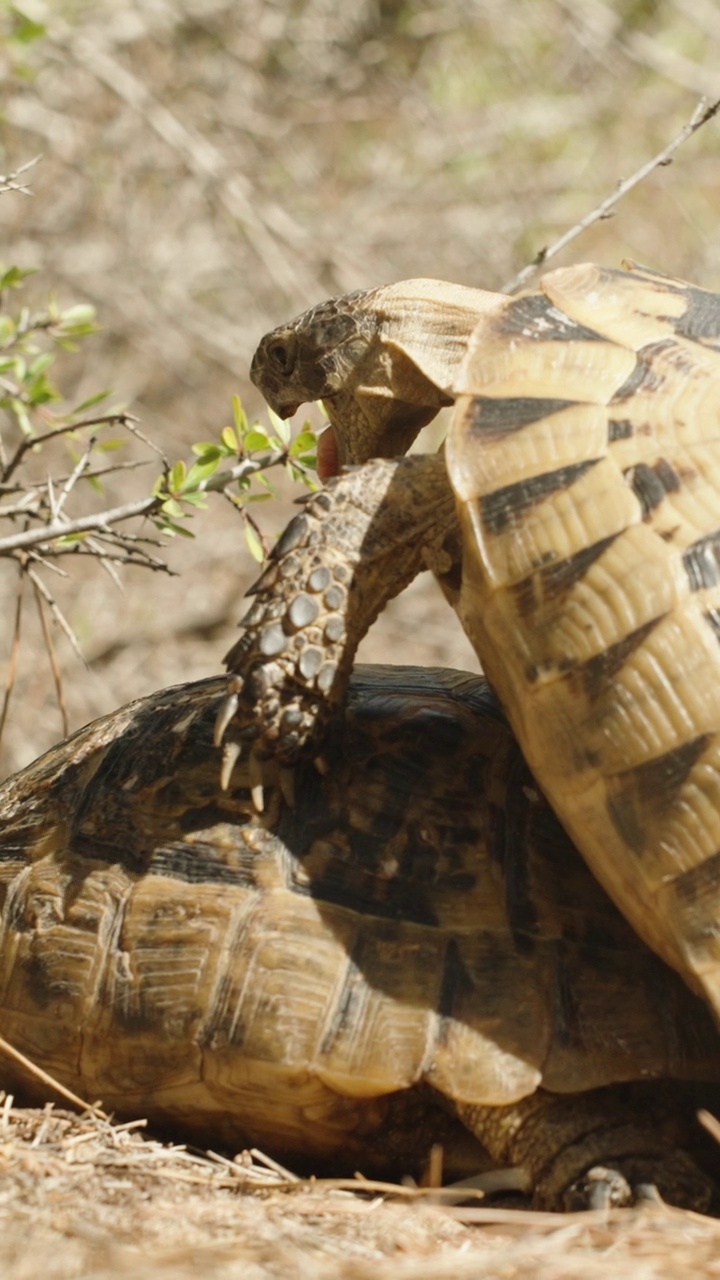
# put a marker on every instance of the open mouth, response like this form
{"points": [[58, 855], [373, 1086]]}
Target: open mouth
{"points": [[328, 455]]}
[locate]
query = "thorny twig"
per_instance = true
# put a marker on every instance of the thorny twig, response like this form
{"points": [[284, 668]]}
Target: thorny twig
{"points": [[702, 113], [15, 648], [41, 594], [8, 181], [33, 442], [56, 612], [103, 520], [51, 534]]}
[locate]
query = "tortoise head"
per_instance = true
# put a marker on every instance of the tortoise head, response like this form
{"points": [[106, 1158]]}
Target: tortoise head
{"points": [[383, 361]]}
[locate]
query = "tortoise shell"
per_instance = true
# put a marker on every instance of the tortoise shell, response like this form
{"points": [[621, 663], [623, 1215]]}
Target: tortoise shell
{"points": [[584, 453], [584, 458], [412, 924]]}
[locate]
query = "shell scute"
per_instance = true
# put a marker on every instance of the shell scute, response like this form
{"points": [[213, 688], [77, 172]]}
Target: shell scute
{"points": [[606, 663]]}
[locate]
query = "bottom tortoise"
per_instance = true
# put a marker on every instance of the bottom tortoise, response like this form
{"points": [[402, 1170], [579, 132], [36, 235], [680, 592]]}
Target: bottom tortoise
{"points": [[408, 942]]}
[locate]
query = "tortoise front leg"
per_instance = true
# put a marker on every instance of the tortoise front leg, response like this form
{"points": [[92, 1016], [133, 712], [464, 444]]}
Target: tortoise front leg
{"points": [[353, 547], [605, 1148]]}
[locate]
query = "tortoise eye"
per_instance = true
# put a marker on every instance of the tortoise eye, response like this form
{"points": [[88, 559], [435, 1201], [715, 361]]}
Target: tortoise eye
{"points": [[281, 356]]}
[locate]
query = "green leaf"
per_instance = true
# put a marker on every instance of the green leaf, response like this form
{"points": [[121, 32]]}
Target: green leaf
{"points": [[170, 528], [23, 420], [67, 539], [255, 546], [40, 392], [239, 417], [230, 441], [41, 363], [13, 277], [24, 29], [200, 471], [281, 427], [207, 449], [302, 443], [88, 404], [171, 507], [81, 314], [256, 440], [176, 481]]}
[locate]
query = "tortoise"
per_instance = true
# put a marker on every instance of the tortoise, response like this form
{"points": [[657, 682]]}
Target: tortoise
{"points": [[408, 950], [573, 520]]}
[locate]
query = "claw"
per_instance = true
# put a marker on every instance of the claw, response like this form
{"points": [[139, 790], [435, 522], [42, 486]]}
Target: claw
{"points": [[256, 782], [231, 751], [647, 1193], [600, 1188], [227, 709]]}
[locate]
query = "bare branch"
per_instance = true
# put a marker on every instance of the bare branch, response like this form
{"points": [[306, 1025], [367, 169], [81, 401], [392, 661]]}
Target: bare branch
{"points": [[83, 524], [14, 650], [37, 1072], [57, 613], [50, 649], [75, 474], [700, 116], [103, 520], [32, 442], [9, 181]]}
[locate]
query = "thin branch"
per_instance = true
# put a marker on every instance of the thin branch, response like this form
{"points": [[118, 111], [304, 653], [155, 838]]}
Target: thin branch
{"points": [[37, 1072], [138, 559], [14, 650], [57, 613], [74, 476], [52, 657], [83, 524], [102, 521], [96, 473], [700, 116], [8, 181], [28, 506], [31, 442]]}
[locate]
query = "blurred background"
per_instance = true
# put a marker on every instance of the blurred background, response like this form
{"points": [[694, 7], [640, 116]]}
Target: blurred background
{"points": [[209, 169]]}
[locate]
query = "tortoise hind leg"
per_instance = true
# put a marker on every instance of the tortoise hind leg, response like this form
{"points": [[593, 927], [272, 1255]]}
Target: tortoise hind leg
{"points": [[615, 1146]]}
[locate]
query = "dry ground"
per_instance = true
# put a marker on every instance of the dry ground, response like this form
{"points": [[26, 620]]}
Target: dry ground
{"points": [[80, 1198], [210, 168]]}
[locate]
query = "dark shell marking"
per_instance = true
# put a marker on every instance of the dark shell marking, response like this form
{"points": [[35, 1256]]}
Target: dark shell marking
{"points": [[612, 685]]}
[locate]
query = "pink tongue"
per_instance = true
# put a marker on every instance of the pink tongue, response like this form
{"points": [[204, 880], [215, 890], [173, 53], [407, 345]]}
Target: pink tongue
{"points": [[328, 459]]}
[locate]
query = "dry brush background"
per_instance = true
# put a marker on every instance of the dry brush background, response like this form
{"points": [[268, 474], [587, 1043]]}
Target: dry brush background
{"points": [[211, 168], [208, 169]]}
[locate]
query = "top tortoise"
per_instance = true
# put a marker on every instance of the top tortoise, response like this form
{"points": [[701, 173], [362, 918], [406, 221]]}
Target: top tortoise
{"points": [[573, 520]]}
